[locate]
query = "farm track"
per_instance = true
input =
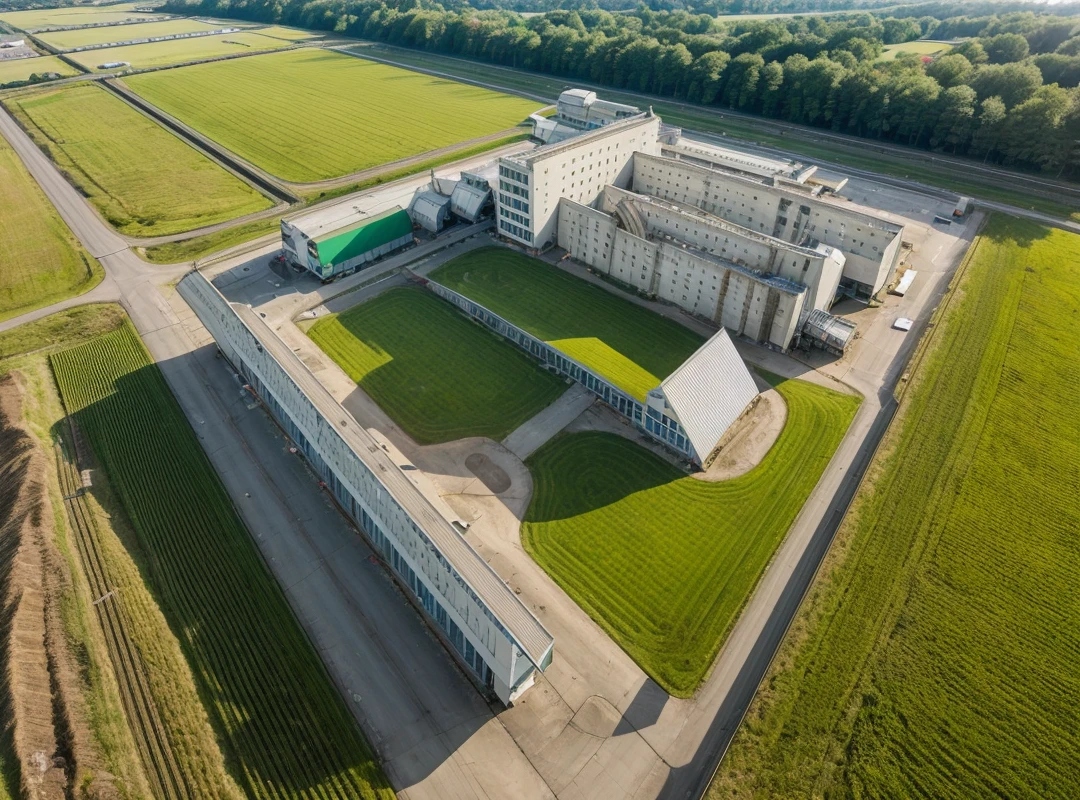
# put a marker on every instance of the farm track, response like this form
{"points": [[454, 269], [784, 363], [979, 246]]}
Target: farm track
{"points": [[151, 738]]}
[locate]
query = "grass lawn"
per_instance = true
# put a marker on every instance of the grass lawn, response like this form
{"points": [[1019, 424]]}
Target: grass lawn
{"points": [[631, 346], [41, 262], [73, 15], [178, 51], [937, 654], [20, 69], [81, 37], [359, 114], [283, 725], [438, 375], [144, 180], [664, 562], [891, 51]]}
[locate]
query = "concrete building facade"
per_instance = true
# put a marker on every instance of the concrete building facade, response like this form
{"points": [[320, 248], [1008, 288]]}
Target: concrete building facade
{"points": [[870, 244], [478, 618], [531, 184]]}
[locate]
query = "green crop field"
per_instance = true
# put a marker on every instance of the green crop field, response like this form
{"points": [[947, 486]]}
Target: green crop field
{"points": [[938, 654], [81, 37], [664, 562], [178, 51], [20, 69], [438, 375], [41, 262], [356, 114], [73, 15], [288, 34], [142, 178], [891, 51], [284, 727], [631, 346]]}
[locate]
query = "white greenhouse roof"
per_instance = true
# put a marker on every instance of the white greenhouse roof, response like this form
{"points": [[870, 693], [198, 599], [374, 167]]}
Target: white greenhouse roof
{"points": [[709, 392]]}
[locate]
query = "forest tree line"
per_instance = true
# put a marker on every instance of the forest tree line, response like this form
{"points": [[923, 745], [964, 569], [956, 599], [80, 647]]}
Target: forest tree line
{"points": [[1006, 94]]}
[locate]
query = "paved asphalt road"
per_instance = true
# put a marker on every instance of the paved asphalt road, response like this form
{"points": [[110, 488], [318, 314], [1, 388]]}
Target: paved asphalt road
{"points": [[465, 751]]}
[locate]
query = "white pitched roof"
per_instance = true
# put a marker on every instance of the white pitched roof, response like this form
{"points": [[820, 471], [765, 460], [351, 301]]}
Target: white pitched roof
{"points": [[710, 391]]}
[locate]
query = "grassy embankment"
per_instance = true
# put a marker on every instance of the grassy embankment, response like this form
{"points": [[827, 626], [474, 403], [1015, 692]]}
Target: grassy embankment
{"points": [[438, 376], [283, 726], [664, 562], [41, 262], [937, 654], [207, 244], [179, 51], [143, 179], [917, 165], [394, 113], [82, 37], [631, 346]]}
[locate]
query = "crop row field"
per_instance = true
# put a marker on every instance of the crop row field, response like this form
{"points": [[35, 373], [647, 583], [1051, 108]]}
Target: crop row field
{"points": [[81, 37], [41, 262], [631, 346], [439, 376], [662, 561], [937, 654], [15, 70], [309, 114], [70, 16], [179, 51], [144, 180], [285, 729]]}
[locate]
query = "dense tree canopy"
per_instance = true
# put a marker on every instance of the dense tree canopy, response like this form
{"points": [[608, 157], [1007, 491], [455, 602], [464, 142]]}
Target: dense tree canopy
{"points": [[1008, 93]]}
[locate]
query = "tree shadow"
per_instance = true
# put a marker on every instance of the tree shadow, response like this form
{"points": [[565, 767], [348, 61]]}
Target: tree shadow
{"points": [[1002, 229]]}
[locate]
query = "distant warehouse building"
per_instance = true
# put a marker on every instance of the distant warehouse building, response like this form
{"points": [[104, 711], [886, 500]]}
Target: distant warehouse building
{"points": [[475, 613], [330, 243]]}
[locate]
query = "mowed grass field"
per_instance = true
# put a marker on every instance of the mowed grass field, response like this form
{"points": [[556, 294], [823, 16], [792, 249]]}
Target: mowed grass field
{"points": [[284, 727], [662, 561], [178, 51], [631, 346], [358, 114], [74, 15], [891, 51], [144, 180], [20, 69], [438, 375], [938, 654], [41, 262], [81, 37]]}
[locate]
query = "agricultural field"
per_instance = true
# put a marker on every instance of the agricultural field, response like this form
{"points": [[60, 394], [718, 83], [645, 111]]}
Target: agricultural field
{"points": [[936, 655], [439, 376], [20, 69], [369, 114], [74, 15], [288, 34], [178, 51], [81, 37], [42, 261], [662, 561], [283, 726], [918, 47], [144, 180], [631, 346]]}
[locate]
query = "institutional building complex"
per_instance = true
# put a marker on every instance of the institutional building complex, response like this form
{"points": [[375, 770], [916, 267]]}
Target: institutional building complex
{"points": [[475, 614], [753, 244]]}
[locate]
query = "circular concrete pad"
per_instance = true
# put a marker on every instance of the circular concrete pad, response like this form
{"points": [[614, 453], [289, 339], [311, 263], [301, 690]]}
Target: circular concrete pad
{"points": [[490, 474]]}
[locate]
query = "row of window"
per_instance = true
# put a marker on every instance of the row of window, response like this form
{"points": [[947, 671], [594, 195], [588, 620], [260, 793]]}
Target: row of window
{"points": [[513, 174], [509, 187], [515, 230], [513, 215], [513, 202], [375, 533]]}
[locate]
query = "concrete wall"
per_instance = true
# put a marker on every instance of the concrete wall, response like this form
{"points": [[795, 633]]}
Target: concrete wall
{"points": [[694, 281], [784, 213], [240, 346]]}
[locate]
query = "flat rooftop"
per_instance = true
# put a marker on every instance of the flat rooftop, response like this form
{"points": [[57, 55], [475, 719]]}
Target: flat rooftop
{"points": [[556, 148], [524, 628]]}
